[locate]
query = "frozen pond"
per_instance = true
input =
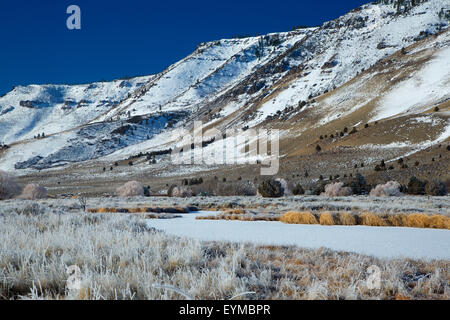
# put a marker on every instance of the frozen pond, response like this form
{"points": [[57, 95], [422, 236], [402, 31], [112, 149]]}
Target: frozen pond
{"points": [[382, 242]]}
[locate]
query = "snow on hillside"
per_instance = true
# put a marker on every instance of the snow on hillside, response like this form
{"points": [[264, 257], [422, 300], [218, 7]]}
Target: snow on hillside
{"points": [[212, 68], [339, 50], [425, 88], [28, 111], [239, 81], [89, 142]]}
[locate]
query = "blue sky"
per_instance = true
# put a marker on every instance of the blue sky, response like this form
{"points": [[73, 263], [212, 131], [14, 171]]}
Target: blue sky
{"points": [[133, 37]]}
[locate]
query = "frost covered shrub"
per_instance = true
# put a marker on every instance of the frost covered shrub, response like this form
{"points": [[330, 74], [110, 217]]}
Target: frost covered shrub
{"points": [[416, 187], [337, 190], [390, 189], [131, 189], [238, 188], [271, 189], [33, 191], [436, 188], [9, 188], [182, 192], [170, 191], [285, 187]]}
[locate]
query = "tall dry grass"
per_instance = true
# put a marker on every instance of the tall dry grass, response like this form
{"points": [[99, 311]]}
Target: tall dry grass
{"points": [[120, 257], [298, 218], [326, 219], [414, 220]]}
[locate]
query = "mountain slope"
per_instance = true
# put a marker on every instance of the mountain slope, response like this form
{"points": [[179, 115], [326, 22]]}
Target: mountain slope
{"points": [[28, 111], [375, 63]]}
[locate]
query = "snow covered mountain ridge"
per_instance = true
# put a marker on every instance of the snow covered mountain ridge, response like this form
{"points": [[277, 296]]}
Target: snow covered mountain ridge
{"points": [[300, 81]]}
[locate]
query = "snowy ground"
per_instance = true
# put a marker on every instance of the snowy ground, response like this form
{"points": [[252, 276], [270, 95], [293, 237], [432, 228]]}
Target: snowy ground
{"points": [[375, 241]]}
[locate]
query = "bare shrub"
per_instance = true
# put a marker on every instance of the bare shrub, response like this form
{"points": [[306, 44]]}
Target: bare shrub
{"points": [[236, 188], [294, 217], [33, 191], [436, 188], [319, 188], [337, 190], [9, 188], [131, 189], [271, 189], [389, 189], [298, 190], [358, 184], [416, 186]]}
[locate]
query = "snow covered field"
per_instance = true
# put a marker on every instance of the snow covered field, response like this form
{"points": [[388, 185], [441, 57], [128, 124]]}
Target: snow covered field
{"points": [[381, 242]]}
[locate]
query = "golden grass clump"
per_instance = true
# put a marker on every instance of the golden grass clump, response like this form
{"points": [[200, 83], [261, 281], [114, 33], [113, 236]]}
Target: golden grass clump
{"points": [[371, 219], [235, 211], [294, 217], [417, 220], [439, 222], [326, 219], [397, 220], [346, 219]]}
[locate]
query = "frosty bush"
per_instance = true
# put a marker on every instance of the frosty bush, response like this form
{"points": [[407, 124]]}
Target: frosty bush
{"points": [[33, 191], [182, 192], [238, 188], [8, 186], [389, 189], [337, 190], [131, 189], [285, 187]]}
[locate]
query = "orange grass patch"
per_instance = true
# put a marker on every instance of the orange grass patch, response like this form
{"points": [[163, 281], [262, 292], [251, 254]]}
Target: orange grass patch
{"points": [[326, 219], [346, 219], [371, 219], [417, 220], [298, 218]]}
